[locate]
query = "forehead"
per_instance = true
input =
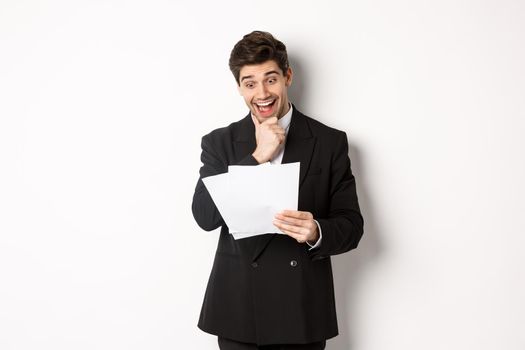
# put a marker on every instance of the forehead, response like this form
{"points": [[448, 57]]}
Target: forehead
{"points": [[259, 70]]}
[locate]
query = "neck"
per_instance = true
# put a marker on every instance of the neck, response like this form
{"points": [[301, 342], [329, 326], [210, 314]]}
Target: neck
{"points": [[285, 110]]}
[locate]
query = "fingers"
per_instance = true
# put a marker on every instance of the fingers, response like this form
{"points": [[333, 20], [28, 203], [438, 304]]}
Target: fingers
{"points": [[269, 121], [271, 127], [289, 219], [272, 120], [299, 225], [298, 237], [271, 130], [291, 228], [298, 233], [277, 129], [269, 136], [279, 135], [303, 215], [295, 225]]}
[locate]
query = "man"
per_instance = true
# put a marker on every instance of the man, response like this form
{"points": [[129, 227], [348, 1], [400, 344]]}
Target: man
{"points": [[276, 291]]}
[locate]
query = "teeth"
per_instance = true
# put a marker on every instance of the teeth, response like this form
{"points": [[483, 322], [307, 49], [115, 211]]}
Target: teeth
{"points": [[262, 104]]}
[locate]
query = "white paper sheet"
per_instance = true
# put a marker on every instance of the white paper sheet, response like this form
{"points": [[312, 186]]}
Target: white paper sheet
{"points": [[248, 197]]}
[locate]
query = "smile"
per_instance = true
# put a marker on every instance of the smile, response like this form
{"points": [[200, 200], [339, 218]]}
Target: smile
{"points": [[265, 106], [264, 103]]}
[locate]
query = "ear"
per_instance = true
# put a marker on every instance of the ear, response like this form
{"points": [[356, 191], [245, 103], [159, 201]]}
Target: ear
{"points": [[288, 77]]}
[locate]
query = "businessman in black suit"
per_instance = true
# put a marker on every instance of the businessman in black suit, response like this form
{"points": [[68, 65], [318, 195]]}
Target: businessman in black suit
{"points": [[276, 291]]}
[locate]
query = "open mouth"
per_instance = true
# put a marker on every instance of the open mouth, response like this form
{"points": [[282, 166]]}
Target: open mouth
{"points": [[265, 107]]}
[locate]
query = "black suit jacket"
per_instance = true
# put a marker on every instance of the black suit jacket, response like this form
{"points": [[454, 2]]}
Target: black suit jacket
{"points": [[270, 289]]}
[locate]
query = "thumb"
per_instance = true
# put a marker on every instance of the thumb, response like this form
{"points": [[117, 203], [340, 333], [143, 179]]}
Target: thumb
{"points": [[255, 122]]}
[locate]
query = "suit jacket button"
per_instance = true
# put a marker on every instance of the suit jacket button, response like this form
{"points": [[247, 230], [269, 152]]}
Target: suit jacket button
{"points": [[293, 263], [254, 264]]}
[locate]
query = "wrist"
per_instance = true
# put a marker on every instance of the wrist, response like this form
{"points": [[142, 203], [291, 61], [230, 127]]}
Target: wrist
{"points": [[259, 158], [315, 238]]}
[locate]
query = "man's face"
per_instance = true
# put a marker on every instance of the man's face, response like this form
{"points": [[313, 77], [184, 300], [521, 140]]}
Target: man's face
{"points": [[264, 88]]}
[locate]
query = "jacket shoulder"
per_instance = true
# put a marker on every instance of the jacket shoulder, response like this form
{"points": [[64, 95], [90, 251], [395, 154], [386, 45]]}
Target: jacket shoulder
{"points": [[324, 132]]}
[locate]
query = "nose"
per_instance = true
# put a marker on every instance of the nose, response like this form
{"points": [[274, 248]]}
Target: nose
{"points": [[262, 91]]}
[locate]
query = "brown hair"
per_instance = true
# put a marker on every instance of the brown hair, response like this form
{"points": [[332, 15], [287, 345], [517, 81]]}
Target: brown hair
{"points": [[257, 47]]}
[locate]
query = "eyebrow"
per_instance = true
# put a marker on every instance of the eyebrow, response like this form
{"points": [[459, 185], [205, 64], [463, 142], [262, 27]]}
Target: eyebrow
{"points": [[265, 74]]}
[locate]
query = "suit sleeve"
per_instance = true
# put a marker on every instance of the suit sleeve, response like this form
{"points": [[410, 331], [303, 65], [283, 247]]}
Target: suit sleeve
{"points": [[204, 210], [343, 226]]}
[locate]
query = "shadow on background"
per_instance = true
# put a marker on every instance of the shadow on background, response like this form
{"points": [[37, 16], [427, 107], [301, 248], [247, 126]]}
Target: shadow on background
{"points": [[347, 268], [298, 92]]}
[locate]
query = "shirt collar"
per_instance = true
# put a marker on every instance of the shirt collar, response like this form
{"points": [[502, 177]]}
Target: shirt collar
{"points": [[284, 122]]}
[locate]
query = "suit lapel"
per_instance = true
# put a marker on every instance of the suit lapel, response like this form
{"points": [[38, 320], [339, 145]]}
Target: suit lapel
{"points": [[244, 138], [299, 144]]}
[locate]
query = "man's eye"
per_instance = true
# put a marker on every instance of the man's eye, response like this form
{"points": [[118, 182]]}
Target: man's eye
{"points": [[249, 86], [271, 81]]}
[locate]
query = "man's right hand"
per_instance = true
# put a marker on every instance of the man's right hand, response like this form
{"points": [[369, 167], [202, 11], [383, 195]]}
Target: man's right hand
{"points": [[269, 136]]}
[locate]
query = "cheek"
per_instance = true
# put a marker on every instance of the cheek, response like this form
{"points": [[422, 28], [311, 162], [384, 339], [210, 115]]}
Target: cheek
{"points": [[280, 93], [247, 98]]}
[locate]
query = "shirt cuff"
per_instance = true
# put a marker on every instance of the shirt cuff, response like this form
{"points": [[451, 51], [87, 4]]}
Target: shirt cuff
{"points": [[318, 243]]}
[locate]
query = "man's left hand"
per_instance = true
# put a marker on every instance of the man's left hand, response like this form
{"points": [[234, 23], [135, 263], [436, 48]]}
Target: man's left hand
{"points": [[299, 225]]}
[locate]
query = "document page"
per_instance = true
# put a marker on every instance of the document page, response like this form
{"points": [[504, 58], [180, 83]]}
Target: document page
{"points": [[248, 197]]}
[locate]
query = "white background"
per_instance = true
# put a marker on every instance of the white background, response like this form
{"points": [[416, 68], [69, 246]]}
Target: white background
{"points": [[103, 105]]}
